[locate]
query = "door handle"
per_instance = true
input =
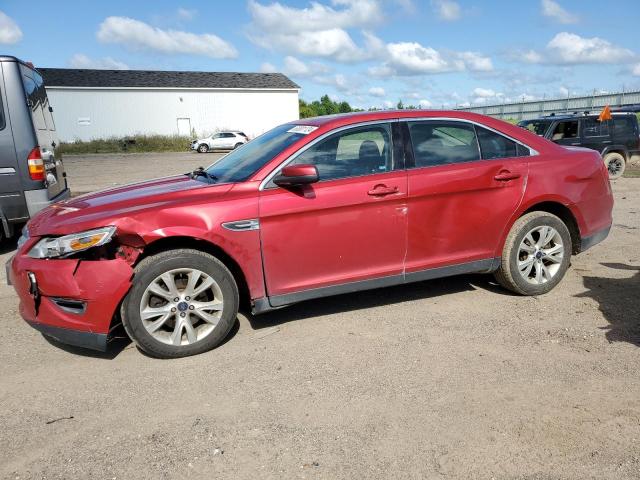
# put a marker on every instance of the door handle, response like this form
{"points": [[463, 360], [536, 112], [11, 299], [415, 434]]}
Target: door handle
{"points": [[382, 190], [506, 175]]}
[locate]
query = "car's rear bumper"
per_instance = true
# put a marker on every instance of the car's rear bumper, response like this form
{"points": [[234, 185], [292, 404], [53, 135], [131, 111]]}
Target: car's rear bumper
{"points": [[73, 301], [594, 239]]}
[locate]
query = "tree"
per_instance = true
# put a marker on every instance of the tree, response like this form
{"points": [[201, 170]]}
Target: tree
{"points": [[400, 105], [324, 106]]}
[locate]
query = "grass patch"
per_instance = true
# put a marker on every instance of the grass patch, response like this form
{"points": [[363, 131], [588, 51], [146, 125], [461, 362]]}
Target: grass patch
{"points": [[134, 144]]}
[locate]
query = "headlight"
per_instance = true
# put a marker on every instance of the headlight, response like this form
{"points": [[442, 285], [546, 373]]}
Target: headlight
{"points": [[69, 244]]}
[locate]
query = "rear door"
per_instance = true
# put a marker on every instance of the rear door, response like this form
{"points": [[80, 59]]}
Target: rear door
{"points": [[596, 134], [45, 129], [625, 129], [465, 183], [348, 227]]}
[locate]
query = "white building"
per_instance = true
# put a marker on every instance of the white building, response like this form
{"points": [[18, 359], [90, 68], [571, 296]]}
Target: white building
{"points": [[91, 104]]}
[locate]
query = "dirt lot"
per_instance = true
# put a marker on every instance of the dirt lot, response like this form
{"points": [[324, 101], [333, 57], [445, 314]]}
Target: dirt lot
{"points": [[443, 379]]}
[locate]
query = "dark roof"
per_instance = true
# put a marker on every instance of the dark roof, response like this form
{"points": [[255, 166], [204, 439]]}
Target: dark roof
{"points": [[72, 77]]}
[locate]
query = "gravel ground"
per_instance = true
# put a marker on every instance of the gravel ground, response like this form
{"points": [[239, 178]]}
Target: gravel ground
{"points": [[453, 378]]}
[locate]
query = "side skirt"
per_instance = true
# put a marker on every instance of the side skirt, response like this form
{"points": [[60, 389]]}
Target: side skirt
{"points": [[266, 304]]}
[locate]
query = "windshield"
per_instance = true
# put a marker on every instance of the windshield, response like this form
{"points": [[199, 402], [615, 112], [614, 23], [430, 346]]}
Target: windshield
{"points": [[539, 127], [239, 164]]}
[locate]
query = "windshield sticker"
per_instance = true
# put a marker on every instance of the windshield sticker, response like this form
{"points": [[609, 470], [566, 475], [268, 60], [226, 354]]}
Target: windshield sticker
{"points": [[303, 129]]}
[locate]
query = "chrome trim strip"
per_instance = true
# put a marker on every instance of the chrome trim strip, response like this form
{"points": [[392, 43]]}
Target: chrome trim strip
{"points": [[242, 225], [7, 170], [291, 158]]}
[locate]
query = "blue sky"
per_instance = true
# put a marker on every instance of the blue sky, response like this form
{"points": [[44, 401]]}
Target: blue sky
{"points": [[369, 52]]}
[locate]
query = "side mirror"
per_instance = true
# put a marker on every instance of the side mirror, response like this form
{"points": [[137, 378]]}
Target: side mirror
{"points": [[295, 175]]}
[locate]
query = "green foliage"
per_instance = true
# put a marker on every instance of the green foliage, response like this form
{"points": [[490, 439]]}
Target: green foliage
{"points": [[134, 144], [324, 106]]}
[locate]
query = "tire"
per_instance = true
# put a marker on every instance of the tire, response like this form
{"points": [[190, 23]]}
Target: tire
{"points": [[555, 255], [616, 165], [237, 145], [172, 337], [203, 148]]}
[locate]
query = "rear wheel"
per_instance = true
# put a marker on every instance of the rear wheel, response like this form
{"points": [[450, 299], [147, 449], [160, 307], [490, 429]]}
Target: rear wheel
{"points": [[237, 145], [203, 148], [536, 254], [615, 165], [183, 302]]}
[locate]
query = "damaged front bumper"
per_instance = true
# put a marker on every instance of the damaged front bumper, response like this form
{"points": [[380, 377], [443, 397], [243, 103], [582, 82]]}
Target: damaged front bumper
{"points": [[71, 300]]}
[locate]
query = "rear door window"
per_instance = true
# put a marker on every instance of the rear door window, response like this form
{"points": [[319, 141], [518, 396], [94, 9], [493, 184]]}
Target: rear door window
{"points": [[592, 127], [441, 143]]}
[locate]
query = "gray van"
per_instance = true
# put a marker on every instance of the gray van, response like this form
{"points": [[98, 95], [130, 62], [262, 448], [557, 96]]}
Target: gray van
{"points": [[31, 173]]}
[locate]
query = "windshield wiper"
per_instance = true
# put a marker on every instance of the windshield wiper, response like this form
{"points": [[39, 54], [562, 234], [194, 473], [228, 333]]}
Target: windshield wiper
{"points": [[201, 172]]}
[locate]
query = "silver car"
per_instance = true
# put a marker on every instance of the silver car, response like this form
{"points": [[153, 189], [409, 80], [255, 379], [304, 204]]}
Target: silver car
{"points": [[219, 141]]}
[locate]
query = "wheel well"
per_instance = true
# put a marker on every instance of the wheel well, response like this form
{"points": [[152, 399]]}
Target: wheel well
{"points": [[620, 151], [172, 243], [566, 216]]}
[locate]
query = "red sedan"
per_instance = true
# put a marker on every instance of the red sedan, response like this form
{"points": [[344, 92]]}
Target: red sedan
{"points": [[313, 208]]}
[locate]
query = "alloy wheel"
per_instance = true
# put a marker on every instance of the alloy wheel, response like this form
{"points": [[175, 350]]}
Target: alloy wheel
{"points": [[540, 255], [181, 306]]}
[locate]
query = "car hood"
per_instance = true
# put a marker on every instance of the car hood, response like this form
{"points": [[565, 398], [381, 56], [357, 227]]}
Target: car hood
{"points": [[110, 207]]}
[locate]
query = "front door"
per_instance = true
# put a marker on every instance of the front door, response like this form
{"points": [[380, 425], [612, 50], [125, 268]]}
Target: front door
{"points": [[348, 227], [464, 185]]}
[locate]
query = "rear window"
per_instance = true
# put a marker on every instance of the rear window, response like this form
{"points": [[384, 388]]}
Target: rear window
{"points": [[37, 99]]}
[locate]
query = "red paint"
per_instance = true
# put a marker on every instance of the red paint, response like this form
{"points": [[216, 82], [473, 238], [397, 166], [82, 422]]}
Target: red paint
{"points": [[320, 234]]}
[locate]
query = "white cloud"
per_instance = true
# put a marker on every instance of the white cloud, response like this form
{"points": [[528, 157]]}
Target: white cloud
{"points": [[297, 68], [284, 19], [317, 31], [186, 13], [446, 10], [424, 103], [377, 92], [563, 91], [410, 58], [9, 30], [636, 70], [138, 35], [554, 10], [337, 81], [80, 60], [389, 104], [484, 92], [571, 49], [267, 67]]}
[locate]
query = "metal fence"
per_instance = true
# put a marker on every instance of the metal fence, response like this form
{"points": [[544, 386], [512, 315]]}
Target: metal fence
{"points": [[533, 109]]}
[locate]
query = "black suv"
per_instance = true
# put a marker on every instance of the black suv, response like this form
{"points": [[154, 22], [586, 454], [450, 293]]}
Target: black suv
{"points": [[616, 139]]}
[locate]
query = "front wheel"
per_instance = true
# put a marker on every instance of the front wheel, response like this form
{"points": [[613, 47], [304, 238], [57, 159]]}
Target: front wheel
{"points": [[615, 165], [203, 148], [536, 254], [182, 302]]}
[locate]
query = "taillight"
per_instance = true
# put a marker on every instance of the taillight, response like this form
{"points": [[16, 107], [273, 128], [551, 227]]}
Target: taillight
{"points": [[36, 165]]}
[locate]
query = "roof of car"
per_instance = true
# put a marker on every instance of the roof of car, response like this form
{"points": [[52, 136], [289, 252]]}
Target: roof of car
{"points": [[74, 77], [571, 116]]}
